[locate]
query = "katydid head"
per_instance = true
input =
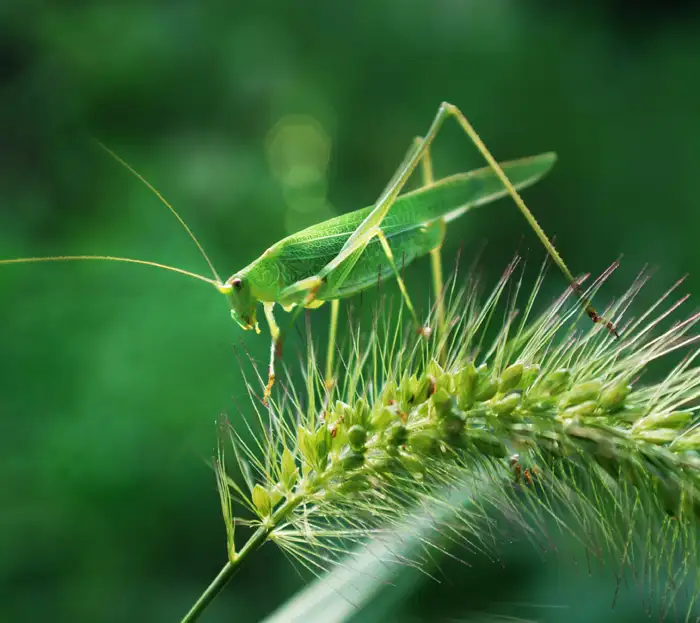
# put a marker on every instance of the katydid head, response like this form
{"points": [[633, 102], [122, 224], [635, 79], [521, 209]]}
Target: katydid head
{"points": [[240, 296]]}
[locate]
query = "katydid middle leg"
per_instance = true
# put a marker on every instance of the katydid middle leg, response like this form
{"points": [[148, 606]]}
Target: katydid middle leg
{"points": [[371, 224], [330, 378]]}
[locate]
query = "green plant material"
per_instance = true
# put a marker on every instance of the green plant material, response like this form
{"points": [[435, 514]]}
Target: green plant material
{"points": [[289, 472], [262, 500], [377, 571], [550, 417], [511, 377]]}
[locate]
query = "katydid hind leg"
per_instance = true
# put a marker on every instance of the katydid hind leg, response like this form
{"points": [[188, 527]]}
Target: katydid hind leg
{"points": [[414, 146], [368, 228], [447, 109]]}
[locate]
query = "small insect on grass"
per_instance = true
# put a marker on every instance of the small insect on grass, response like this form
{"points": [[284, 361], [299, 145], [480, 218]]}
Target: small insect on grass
{"points": [[341, 257]]}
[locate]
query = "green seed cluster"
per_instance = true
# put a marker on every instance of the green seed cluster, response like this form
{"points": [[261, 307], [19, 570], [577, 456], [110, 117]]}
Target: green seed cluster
{"points": [[480, 412], [553, 411]]}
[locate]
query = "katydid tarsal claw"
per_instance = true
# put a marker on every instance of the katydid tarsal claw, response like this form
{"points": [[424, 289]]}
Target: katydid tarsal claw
{"points": [[342, 256]]}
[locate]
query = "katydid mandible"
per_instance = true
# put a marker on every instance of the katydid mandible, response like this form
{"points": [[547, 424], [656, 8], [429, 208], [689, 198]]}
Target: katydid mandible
{"points": [[342, 256]]}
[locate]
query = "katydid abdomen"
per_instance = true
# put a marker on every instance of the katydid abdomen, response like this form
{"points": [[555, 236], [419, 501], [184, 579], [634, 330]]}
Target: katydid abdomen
{"points": [[413, 227]]}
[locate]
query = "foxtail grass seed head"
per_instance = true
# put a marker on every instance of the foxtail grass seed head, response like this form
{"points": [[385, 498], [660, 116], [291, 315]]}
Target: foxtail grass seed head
{"points": [[540, 405]]}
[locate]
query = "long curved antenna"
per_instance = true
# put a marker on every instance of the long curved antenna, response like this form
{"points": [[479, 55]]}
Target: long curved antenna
{"points": [[110, 258], [150, 186]]}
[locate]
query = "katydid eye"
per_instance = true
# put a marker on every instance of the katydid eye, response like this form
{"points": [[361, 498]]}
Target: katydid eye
{"points": [[237, 283]]}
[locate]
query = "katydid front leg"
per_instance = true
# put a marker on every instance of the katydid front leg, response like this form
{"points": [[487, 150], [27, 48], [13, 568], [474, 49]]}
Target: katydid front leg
{"points": [[274, 345], [277, 335]]}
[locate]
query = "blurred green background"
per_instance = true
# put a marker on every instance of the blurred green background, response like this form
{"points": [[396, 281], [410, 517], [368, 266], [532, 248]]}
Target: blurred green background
{"points": [[255, 119]]}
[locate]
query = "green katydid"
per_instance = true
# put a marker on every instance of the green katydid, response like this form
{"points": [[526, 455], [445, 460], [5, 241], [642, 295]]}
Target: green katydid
{"points": [[342, 256]]}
